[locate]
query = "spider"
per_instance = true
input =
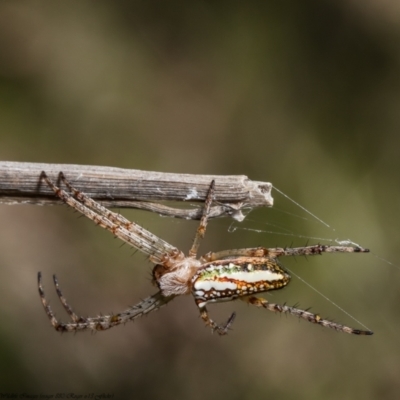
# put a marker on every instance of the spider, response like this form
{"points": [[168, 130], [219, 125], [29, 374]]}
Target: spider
{"points": [[214, 277]]}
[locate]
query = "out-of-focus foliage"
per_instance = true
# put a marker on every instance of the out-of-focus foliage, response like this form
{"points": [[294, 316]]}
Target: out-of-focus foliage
{"points": [[302, 94]]}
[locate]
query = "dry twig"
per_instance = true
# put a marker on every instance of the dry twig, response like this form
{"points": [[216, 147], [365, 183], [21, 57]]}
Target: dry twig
{"points": [[128, 188]]}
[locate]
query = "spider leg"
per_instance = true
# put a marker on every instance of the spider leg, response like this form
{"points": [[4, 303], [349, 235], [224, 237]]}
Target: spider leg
{"points": [[282, 251], [99, 323], [118, 219], [308, 316], [124, 229], [201, 230], [63, 300], [220, 329]]}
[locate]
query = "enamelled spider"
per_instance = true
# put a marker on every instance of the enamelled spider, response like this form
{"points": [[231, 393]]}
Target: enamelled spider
{"points": [[221, 276]]}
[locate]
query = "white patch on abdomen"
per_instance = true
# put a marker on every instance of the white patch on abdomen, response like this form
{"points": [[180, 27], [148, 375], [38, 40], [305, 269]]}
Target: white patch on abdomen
{"points": [[207, 285], [254, 276]]}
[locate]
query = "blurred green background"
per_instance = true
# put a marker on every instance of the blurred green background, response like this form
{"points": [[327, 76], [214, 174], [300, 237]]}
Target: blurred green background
{"points": [[304, 94]]}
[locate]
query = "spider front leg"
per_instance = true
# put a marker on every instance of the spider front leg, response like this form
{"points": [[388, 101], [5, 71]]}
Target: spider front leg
{"points": [[308, 316], [119, 226], [221, 330]]}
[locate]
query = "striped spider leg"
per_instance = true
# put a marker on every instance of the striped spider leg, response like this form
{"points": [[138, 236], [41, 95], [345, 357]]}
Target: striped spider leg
{"points": [[215, 277]]}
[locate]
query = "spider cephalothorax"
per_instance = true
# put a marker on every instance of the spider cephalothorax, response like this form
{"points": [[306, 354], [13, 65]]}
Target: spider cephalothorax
{"points": [[215, 277]]}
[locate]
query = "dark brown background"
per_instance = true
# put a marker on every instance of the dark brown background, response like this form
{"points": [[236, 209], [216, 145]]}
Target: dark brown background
{"points": [[305, 94]]}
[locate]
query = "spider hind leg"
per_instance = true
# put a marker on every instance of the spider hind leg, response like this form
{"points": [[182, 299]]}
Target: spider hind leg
{"points": [[101, 322], [304, 314]]}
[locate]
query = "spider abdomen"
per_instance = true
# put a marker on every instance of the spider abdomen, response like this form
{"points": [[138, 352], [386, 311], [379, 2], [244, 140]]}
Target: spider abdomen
{"points": [[225, 280]]}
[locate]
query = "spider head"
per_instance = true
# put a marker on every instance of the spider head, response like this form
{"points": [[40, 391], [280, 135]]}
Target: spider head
{"points": [[158, 271]]}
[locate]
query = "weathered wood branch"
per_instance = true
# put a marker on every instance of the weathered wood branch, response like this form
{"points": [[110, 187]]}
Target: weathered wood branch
{"points": [[128, 188]]}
